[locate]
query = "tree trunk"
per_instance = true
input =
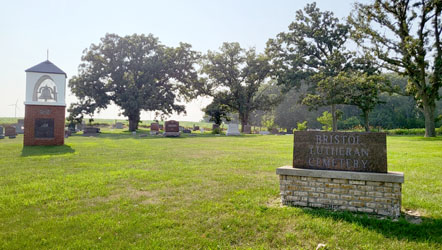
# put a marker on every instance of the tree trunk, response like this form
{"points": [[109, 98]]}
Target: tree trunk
{"points": [[366, 124], [134, 119], [430, 125], [244, 121], [335, 120]]}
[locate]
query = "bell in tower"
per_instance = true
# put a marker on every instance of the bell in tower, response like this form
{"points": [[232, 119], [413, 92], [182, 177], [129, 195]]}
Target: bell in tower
{"points": [[47, 93]]}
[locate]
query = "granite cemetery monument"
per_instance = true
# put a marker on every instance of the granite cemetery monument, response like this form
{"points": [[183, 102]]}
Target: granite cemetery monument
{"points": [[233, 129], [45, 105], [2, 135], [91, 131], [247, 129], [154, 128], [341, 171], [172, 128], [10, 132]]}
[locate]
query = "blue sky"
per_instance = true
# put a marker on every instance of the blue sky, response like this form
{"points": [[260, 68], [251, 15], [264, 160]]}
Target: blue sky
{"points": [[66, 28]]}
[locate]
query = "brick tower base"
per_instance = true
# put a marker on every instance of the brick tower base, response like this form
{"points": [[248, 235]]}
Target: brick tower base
{"points": [[44, 125]]}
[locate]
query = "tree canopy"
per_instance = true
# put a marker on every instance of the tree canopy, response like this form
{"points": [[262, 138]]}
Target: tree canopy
{"points": [[136, 73], [313, 51], [234, 78], [404, 35]]}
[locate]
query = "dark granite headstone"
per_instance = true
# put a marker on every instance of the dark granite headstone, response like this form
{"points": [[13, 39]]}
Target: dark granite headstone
{"points": [[215, 126], [10, 132], [187, 131], [274, 131], [91, 131], [247, 129], [154, 127], [2, 135], [196, 128], [172, 128], [345, 151]]}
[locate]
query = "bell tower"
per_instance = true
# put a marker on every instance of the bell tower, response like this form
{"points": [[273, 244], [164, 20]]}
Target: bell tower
{"points": [[45, 105]]}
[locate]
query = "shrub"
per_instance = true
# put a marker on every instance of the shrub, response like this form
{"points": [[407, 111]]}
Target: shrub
{"points": [[217, 131], [301, 126]]}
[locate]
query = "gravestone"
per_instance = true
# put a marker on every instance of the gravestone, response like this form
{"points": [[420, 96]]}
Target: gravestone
{"points": [[154, 128], [342, 171], [274, 131], [264, 132], [344, 151], [19, 127], [247, 129], [215, 126], [196, 128], [10, 132], [2, 135], [202, 130], [187, 131], [91, 131], [172, 128], [233, 129], [119, 125]]}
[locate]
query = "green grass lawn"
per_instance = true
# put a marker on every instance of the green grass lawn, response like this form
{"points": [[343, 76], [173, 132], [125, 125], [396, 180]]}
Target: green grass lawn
{"points": [[120, 191]]}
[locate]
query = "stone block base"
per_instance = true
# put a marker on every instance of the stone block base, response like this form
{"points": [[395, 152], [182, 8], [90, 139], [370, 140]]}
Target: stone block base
{"points": [[172, 134], [376, 193]]}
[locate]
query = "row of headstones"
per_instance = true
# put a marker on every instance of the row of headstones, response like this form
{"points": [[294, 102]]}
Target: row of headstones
{"points": [[9, 131], [12, 130]]}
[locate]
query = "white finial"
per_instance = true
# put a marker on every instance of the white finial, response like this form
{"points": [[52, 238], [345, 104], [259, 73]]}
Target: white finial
{"points": [[47, 54]]}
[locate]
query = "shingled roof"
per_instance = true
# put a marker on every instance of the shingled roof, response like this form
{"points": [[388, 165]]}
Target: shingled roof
{"points": [[46, 67]]}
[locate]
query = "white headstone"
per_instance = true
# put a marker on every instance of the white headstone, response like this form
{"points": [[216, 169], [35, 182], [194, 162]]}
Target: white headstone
{"points": [[233, 129], [264, 132]]}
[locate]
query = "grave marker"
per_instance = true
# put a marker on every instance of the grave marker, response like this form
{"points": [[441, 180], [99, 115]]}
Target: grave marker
{"points": [[10, 132], [341, 171], [233, 129], [2, 135], [172, 128]]}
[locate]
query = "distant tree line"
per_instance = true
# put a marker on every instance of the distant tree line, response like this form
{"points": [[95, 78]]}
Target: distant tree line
{"points": [[321, 63]]}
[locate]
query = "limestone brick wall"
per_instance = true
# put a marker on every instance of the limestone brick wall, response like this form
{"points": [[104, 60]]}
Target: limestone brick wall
{"points": [[381, 197]]}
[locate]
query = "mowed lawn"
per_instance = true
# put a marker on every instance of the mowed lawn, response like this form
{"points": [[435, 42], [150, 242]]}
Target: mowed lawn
{"points": [[120, 191]]}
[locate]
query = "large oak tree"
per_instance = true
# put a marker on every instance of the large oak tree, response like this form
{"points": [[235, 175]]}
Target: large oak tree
{"points": [[313, 51], [136, 73], [405, 36], [235, 76]]}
